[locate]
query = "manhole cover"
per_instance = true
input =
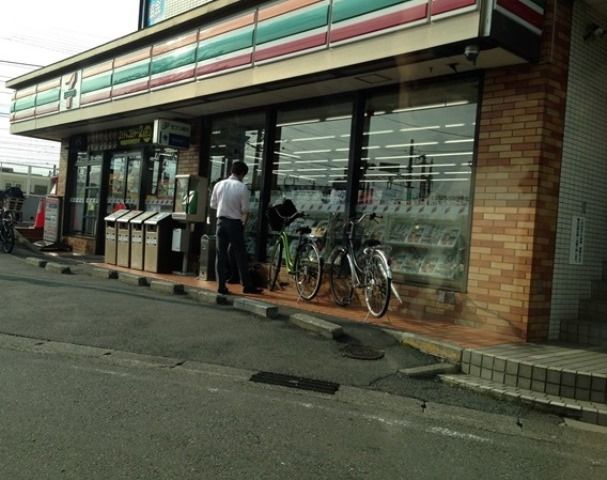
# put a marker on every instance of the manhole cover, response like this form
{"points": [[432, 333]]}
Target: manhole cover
{"points": [[361, 352]]}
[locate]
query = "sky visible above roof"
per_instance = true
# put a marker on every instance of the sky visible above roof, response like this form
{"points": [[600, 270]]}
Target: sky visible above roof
{"points": [[35, 33]]}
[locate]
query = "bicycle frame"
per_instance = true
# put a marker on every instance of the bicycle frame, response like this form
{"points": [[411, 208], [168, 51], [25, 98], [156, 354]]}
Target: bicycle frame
{"points": [[286, 252], [356, 269]]}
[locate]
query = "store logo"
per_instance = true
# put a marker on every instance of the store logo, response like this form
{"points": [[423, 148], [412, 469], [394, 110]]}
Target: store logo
{"points": [[70, 86]]}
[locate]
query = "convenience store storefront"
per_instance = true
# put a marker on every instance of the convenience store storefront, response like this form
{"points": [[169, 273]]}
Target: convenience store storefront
{"points": [[431, 114]]}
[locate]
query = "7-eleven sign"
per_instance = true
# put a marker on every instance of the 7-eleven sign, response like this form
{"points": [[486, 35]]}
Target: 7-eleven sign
{"points": [[70, 91]]}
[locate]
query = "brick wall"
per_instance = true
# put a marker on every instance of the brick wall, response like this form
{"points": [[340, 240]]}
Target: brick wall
{"points": [[515, 197], [517, 187]]}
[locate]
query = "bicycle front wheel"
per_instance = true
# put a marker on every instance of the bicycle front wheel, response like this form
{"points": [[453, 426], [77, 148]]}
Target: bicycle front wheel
{"points": [[308, 270], [275, 265], [377, 284], [340, 277], [8, 240]]}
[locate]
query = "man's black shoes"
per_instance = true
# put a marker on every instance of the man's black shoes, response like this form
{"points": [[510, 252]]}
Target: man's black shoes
{"points": [[253, 291], [223, 291]]}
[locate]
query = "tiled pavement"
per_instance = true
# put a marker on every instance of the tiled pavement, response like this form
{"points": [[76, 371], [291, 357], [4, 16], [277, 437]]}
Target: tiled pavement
{"points": [[568, 380]]}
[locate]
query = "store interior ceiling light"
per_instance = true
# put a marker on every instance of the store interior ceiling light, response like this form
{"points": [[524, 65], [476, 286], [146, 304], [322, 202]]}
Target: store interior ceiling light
{"points": [[282, 154], [300, 122], [415, 144], [378, 132], [301, 152], [431, 106], [463, 140], [308, 139], [455, 125], [416, 129], [340, 117]]}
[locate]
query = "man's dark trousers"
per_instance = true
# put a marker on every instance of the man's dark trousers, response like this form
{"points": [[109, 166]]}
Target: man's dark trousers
{"points": [[230, 233]]}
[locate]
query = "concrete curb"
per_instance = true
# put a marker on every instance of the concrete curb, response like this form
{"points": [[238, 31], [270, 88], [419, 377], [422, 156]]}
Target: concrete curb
{"points": [[36, 262], [426, 371], [103, 273], [167, 287], [207, 297], [316, 325], [447, 351], [131, 279], [261, 309], [57, 268]]}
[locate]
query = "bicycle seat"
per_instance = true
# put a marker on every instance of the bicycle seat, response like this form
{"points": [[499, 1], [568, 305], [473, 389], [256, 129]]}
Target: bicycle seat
{"points": [[372, 243], [303, 230]]}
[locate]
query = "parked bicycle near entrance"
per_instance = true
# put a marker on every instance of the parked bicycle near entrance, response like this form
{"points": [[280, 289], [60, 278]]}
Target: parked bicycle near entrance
{"points": [[306, 266], [9, 207], [369, 271]]}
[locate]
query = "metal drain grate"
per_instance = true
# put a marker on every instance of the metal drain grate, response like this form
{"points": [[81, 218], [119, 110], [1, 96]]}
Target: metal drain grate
{"points": [[361, 352], [295, 382]]}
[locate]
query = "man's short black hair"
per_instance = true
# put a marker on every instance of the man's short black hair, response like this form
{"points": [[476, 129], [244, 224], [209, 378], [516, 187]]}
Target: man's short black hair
{"points": [[240, 169]]}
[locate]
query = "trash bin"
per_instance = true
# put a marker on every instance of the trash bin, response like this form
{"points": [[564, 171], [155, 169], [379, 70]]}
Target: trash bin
{"points": [[157, 251], [207, 257], [123, 244], [137, 239], [111, 236]]}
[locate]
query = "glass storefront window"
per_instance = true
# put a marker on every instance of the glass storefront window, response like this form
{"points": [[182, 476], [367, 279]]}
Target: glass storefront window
{"points": [[416, 171], [239, 137], [159, 189], [124, 181], [84, 201], [310, 166]]}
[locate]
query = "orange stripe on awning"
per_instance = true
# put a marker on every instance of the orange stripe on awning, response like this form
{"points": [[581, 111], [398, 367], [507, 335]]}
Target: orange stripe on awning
{"points": [[42, 87], [289, 6], [26, 92], [96, 69], [175, 43], [228, 26], [132, 57]]}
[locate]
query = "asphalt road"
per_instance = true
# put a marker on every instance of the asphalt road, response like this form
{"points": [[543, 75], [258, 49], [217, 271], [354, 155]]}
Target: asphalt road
{"points": [[70, 412], [84, 310]]}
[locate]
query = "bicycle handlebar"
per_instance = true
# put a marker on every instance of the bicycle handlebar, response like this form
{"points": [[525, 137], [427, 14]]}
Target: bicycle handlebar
{"points": [[372, 216]]}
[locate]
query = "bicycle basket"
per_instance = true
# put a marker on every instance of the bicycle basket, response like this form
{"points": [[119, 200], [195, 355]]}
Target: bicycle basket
{"points": [[278, 214]]}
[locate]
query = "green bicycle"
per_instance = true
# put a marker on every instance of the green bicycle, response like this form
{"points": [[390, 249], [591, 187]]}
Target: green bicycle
{"points": [[306, 265]]}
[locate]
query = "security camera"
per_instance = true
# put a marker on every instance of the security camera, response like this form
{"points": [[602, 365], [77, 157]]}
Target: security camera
{"points": [[471, 53]]}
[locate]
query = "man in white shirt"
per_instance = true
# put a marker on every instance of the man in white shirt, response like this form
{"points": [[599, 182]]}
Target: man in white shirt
{"points": [[230, 198]]}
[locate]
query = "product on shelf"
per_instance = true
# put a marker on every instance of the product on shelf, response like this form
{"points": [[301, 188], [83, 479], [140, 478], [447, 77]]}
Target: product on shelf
{"points": [[449, 237]]}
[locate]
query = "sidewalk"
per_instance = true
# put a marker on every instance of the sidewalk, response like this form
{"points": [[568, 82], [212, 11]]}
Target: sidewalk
{"points": [[567, 380]]}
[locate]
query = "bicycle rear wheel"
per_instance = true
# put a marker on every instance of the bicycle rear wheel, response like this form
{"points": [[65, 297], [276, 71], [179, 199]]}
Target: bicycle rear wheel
{"points": [[340, 277], [308, 270], [377, 284], [8, 240], [275, 264]]}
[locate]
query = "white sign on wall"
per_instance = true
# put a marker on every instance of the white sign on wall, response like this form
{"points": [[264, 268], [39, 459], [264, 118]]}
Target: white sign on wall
{"points": [[172, 134], [576, 247]]}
